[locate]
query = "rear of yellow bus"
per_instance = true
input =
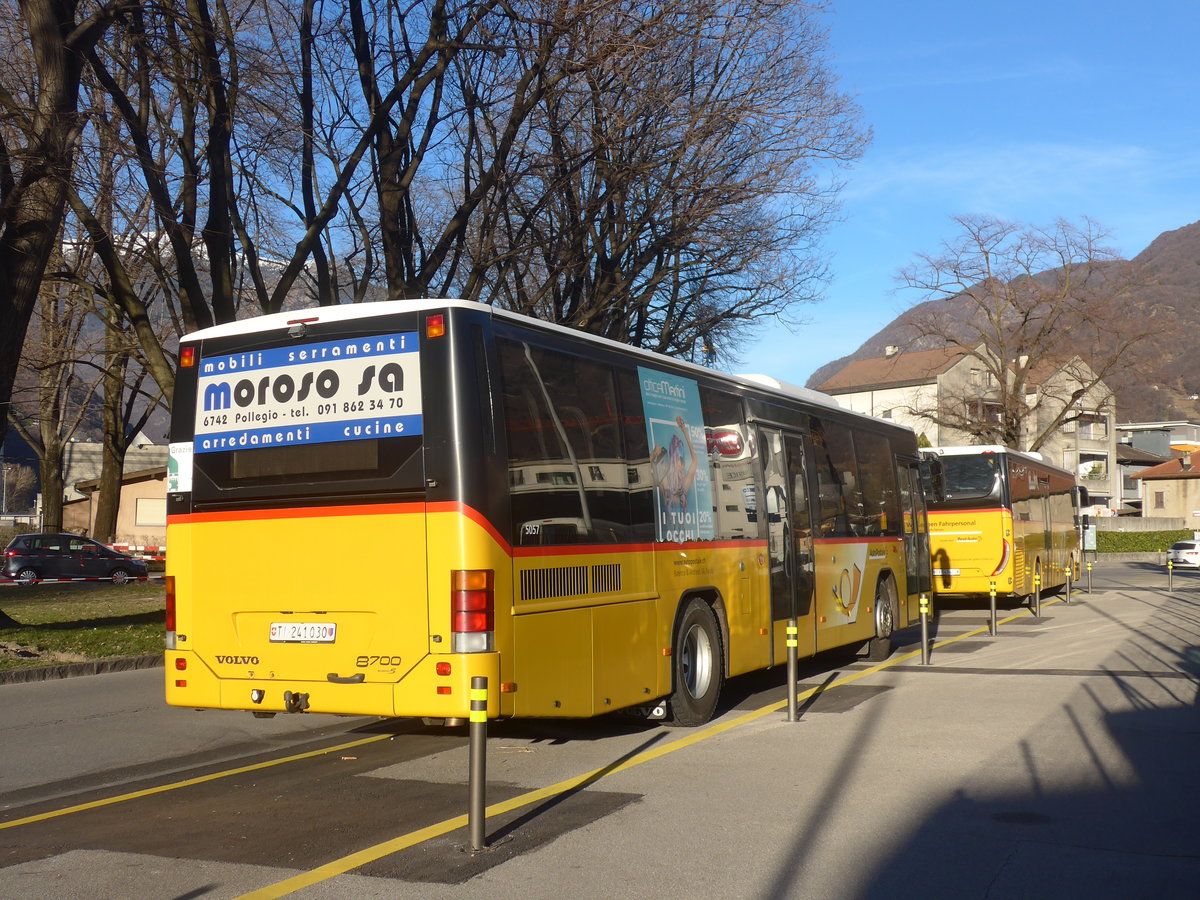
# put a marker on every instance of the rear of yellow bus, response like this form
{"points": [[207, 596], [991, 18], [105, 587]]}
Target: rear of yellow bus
{"points": [[321, 555], [971, 526]]}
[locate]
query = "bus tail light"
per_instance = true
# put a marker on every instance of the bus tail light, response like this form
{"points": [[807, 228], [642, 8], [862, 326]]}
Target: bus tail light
{"points": [[170, 585], [1003, 560], [472, 610]]}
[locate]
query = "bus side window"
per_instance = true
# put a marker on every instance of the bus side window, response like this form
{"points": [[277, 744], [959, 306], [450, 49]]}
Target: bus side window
{"points": [[830, 496], [881, 502], [732, 461], [567, 473], [635, 449]]}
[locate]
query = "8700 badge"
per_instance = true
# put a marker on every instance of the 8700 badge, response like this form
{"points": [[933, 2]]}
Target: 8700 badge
{"points": [[365, 662]]}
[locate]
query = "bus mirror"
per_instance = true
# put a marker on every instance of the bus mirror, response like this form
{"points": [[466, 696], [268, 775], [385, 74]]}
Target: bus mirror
{"points": [[1081, 496]]}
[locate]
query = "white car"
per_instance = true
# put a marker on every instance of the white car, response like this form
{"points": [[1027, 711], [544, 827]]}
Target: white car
{"points": [[1185, 553]]}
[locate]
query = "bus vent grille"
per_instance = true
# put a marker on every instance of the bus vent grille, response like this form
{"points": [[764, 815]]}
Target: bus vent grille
{"points": [[606, 578], [565, 581]]}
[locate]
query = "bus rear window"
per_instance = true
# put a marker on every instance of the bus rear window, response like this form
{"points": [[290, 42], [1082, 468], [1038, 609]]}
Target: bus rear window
{"points": [[318, 459]]}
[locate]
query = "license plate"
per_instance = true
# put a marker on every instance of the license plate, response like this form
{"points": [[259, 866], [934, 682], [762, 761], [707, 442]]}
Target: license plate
{"points": [[303, 632]]}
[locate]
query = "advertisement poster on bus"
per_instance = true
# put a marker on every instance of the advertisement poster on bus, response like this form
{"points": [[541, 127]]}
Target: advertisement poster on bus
{"points": [[342, 390], [678, 462]]}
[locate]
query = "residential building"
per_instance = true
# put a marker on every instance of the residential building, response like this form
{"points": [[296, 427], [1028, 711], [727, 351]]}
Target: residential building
{"points": [[1132, 461], [1161, 438], [1172, 488], [141, 516]]}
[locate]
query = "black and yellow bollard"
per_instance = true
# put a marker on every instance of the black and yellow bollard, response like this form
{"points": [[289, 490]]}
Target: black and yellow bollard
{"points": [[924, 630], [1070, 574], [1089, 568], [1170, 576], [992, 598], [1037, 595], [793, 644], [477, 775]]}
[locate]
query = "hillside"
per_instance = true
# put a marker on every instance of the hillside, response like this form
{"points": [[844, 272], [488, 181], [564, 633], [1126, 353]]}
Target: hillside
{"points": [[1163, 382]]}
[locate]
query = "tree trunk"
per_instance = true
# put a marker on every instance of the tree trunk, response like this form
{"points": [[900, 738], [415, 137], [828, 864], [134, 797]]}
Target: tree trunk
{"points": [[112, 461]]}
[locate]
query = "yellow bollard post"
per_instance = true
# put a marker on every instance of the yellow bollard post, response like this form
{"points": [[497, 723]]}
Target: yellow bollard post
{"points": [[793, 644], [477, 763], [992, 596], [924, 630]]}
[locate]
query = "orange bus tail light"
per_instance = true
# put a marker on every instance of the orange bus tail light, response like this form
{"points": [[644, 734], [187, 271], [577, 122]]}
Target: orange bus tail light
{"points": [[472, 610]]}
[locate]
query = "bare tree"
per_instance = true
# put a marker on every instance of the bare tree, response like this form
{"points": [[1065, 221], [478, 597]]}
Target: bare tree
{"points": [[60, 388], [1023, 302], [19, 488], [664, 192], [39, 123]]}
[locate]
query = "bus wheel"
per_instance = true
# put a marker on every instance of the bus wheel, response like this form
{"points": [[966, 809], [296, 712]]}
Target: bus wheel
{"points": [[880, 646], [698, 664]]}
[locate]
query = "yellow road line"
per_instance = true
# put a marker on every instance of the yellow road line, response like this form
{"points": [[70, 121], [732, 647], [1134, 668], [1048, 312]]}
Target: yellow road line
{"points": [[346, 864], [162, 789]]}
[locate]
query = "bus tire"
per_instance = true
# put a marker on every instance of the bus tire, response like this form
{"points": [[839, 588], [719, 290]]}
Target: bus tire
{"points": [[879, 647], [698, 664]]}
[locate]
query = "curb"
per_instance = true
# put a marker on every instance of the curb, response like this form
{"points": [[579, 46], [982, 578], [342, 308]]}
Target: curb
{"points": [[70, 670]]}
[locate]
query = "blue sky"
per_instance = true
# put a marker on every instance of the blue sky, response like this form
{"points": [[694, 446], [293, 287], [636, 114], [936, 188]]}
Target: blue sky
{"points": [[1029, 111]]}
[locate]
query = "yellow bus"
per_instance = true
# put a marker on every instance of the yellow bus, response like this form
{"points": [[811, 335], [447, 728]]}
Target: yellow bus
{"points": [[369, 505], [1003, 519]]}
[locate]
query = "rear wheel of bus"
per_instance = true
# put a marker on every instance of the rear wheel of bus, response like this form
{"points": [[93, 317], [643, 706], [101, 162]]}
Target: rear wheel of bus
{"points": [[699, 665]]}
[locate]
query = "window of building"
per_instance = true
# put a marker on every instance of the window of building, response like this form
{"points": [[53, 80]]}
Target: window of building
{"points": [[1093, 466]]}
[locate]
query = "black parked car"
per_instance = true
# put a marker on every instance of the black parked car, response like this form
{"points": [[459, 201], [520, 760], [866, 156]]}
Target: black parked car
{"points": [[30, 558]]}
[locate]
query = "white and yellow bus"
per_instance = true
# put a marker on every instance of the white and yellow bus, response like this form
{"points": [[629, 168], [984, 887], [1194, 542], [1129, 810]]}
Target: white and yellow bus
{"points": [[1004, 519], [369, 505]]}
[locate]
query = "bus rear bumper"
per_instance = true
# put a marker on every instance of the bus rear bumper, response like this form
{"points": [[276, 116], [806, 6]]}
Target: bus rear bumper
{"points": [[422, 691]]}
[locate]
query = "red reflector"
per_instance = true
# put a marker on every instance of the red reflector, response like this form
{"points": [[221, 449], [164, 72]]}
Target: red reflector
{"points": [[180, 663], [180, 682], [435, 326], [187, 357], [443, 668], [444, 689]]}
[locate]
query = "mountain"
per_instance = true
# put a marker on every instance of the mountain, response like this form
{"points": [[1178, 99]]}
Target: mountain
{"points": [[1162, 382]]}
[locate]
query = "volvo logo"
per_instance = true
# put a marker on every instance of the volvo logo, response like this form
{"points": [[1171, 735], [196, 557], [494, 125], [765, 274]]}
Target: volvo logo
{"points": [[237, 660]]}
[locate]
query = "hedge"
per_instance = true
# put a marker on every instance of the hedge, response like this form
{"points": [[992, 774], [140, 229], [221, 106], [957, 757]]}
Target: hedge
{"points": [[1139, 541]]}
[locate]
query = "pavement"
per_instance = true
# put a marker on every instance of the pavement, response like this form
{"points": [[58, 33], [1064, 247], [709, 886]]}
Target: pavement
{"points": [[1056, 759]]}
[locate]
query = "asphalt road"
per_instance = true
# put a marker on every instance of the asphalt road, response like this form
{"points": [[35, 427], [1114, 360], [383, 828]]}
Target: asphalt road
{"points": [[1055, 759]]}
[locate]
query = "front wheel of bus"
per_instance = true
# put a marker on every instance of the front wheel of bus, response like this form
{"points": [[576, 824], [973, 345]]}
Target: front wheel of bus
{"points": [[699, 669], [880, 646]]}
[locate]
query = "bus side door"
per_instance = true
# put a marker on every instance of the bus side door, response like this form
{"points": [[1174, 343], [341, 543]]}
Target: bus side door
{"points": [[789, 539], [917, 564]]}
